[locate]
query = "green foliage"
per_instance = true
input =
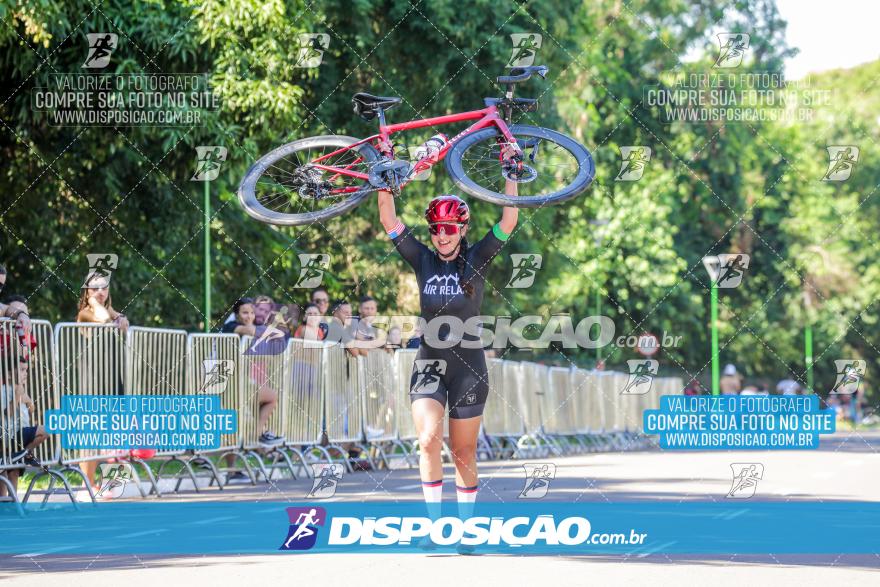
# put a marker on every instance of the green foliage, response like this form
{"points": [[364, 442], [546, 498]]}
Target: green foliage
{"points": [[709, 188]]}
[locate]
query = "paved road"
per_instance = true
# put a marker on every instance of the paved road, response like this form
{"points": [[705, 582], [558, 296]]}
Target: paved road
{"points": [[846, 467]]}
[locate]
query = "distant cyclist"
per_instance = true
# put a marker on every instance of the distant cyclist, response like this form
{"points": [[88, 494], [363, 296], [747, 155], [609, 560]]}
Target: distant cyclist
{"points": [[451, 279]]}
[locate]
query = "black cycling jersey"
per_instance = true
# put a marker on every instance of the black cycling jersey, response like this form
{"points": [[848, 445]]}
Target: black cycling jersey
{"points": [[440, 293], [461, 378]]}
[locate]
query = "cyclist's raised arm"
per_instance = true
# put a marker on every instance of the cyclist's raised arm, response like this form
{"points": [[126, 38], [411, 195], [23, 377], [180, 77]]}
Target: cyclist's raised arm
{"points": [[387, 213], [509, 215], [407, 245], [493, 242]]}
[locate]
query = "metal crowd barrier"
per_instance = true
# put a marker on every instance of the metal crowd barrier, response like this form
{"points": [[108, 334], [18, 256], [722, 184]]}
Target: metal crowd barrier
{"points": [[89, 360], [28, 370], [326, 400]]}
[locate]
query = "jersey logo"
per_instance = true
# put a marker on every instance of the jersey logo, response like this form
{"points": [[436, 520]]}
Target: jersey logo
{"points": [[450, 285]]}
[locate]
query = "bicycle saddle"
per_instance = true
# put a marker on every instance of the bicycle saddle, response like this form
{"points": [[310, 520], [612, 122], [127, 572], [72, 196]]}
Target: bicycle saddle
{"points": [[366, 105]]}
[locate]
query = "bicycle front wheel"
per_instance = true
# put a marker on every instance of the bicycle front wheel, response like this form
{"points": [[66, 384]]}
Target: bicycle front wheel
{"points": [[558, 167], [306, 181]]}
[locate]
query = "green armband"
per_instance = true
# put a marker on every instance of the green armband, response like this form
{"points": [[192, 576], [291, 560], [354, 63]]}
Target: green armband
{"points": [[499, 234]]}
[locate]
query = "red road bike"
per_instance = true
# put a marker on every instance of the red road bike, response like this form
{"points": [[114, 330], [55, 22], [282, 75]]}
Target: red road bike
{"points": [[313, 179]]}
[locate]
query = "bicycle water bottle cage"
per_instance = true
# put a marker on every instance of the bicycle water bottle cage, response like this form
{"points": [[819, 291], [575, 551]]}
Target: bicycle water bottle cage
{"points": [[518, 104], [367, 105]]}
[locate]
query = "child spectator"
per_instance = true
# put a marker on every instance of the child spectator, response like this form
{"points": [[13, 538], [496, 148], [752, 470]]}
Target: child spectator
{"points": [[17, 412]]}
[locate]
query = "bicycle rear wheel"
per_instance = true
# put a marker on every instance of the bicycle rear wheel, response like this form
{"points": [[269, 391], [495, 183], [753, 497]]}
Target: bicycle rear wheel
{"points": [[284, 187], [560, 168]]}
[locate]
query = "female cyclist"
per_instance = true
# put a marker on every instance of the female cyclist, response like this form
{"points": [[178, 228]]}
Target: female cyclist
{"points": [[451, 277]]}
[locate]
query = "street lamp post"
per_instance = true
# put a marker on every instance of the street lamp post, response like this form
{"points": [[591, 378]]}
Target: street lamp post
{"points": [[711, 264], [808, 339], [597, 239], [207, 223]]}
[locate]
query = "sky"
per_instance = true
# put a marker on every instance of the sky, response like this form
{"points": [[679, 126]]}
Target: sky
{"points": [[830, 35]]}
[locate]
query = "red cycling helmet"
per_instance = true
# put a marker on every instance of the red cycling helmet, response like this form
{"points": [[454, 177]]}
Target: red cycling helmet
{"points": [[447, 209]]}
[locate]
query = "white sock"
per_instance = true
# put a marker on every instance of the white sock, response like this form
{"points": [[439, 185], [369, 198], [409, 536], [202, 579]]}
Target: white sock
{"points": [[433, 491], [466, 496]]}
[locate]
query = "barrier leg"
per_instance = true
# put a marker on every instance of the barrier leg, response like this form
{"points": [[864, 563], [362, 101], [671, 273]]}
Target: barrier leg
{"points": [[343, 455], [307, 471], [154, 486], [54, 476], [260, 464], [366, 452], [204, 462], [11, 495], [239, 455], [86, 482], [276, 453], [485, 448]]}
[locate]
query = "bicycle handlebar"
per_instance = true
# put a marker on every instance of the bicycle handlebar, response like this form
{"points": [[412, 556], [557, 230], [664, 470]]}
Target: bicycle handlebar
{"points": [[521, 74]]}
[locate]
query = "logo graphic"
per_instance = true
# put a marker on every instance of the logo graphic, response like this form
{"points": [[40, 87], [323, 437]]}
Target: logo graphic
{"points": [[449, 285], [209, 159], [842, 160], [311, 49], [426, 378], [525, 268], [312, 268], [733, 49], [217, 374], [727, 270], [101, 46], [101, 266], [850, 373], [326, 479], [303, 531], [113, 479], [745, 479], [444, 278], [525, 46], [470, 398], [641, 376], [633, 160], [538, 477]]}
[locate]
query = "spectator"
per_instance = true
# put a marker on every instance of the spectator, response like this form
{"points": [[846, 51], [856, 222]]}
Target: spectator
{"points": [[394, 340], [368, 309], [95, 305], [263, 308], [321, 298], [18, 415], [341, 327], [731, 381], [243, 323], [750, 390], [693, 388], [788, 387], [21, 317], [311, 329]]}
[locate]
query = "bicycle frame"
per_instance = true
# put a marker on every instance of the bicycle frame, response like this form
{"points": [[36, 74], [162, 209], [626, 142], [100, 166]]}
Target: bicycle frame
{"points": [[485, 117]]}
